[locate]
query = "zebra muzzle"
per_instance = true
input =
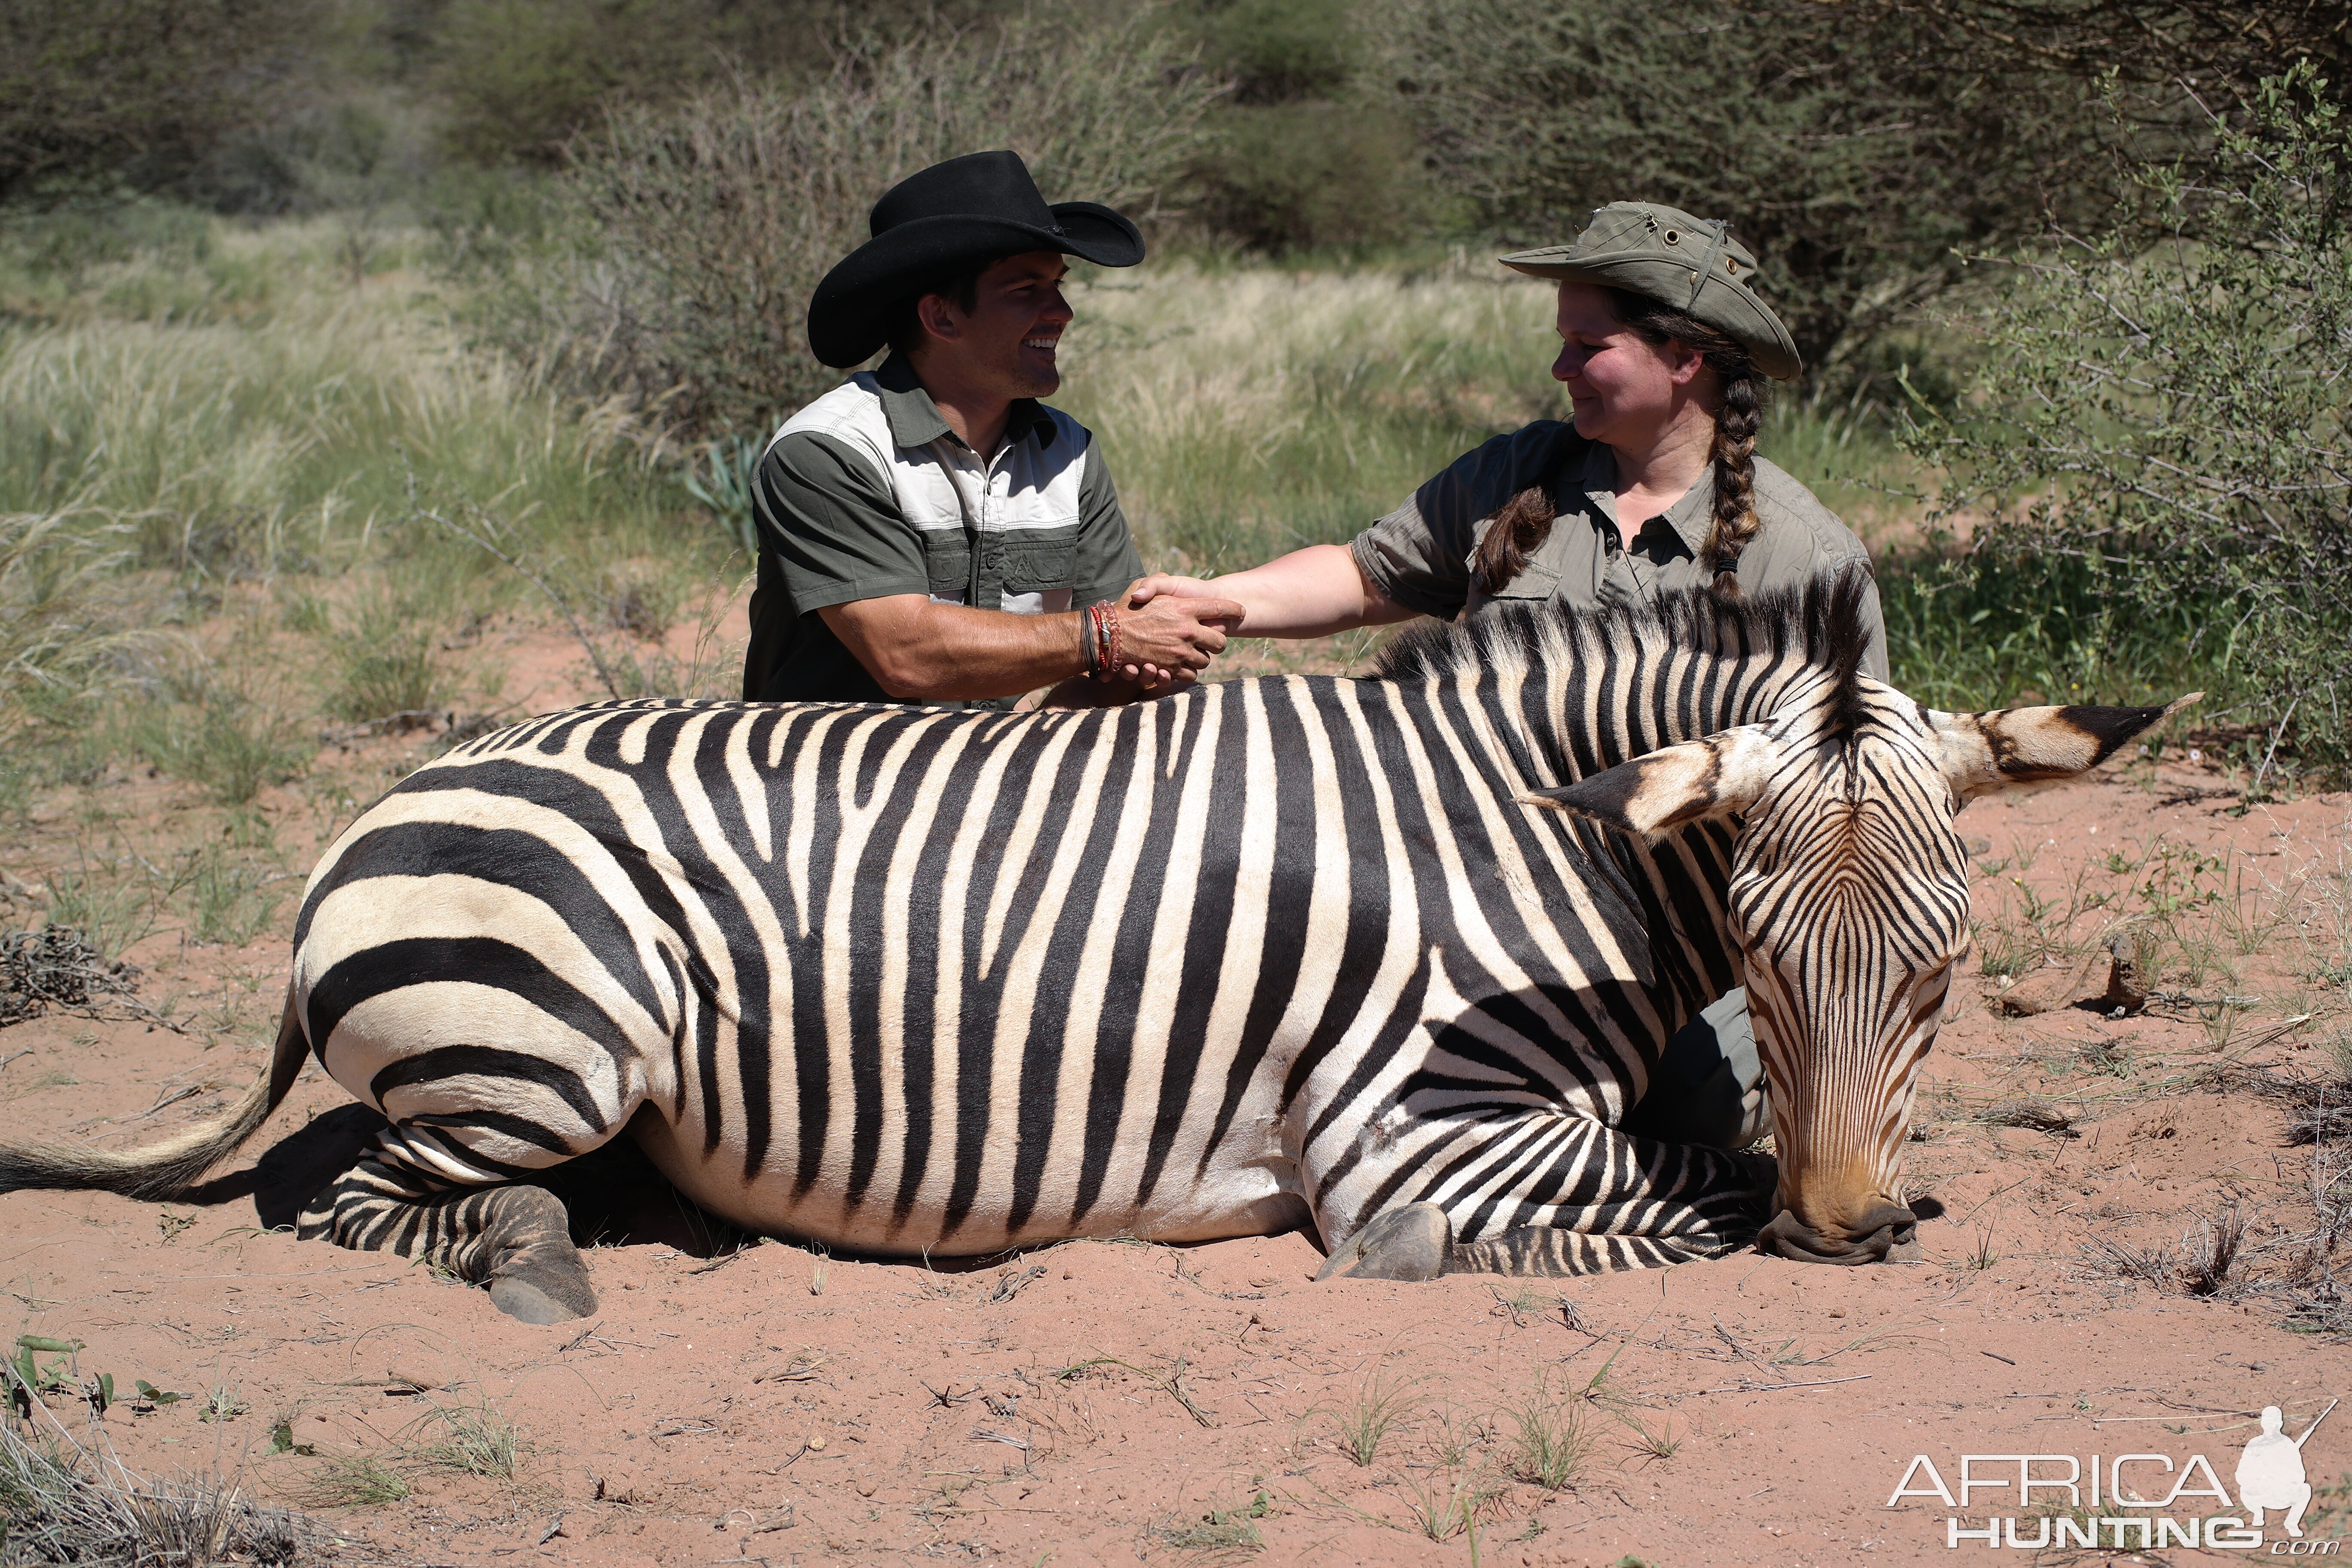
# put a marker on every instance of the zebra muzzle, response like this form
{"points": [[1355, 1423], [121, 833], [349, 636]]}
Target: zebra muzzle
{"points": [[1886, 1233]]}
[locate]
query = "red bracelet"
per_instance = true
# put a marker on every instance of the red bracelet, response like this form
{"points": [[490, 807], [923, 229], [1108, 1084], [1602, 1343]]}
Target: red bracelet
{"points": [[1111, 670], [1099, 660]]}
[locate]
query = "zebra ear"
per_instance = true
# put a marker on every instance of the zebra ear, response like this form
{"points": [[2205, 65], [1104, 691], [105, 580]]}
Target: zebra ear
{"points": [[1984, 752], [1677, 785]]}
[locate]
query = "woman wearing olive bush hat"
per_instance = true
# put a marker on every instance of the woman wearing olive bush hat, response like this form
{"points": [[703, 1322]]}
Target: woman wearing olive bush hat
{"points": [[1654, 487]]}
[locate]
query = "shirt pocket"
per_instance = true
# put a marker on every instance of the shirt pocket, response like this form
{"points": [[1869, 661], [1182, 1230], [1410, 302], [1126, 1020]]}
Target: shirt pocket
{"points": [[1536, 580], [947, 564], [1034, 565]]}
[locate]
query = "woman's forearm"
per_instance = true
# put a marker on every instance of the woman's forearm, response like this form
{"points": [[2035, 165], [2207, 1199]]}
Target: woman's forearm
{"points": [[1309, 592]]}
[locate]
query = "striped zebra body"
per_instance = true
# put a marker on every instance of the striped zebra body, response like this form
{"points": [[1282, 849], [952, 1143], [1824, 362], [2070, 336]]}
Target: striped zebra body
{"points": [[1263, 953], [909, 981]]}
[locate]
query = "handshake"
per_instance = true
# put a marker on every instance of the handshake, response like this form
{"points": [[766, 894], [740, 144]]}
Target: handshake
{"points": [[1170, 628]]}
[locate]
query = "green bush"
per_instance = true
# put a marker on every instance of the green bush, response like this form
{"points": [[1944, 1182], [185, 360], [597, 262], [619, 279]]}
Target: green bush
{"points": [[520, 77], [95, 94], [2161, 430], [1850, 150], [228, 745], [1314, 176], [389, 664], [704, 228]]}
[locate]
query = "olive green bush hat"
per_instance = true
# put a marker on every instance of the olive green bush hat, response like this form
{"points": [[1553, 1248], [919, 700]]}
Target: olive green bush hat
{"points": [[1690, 263]]}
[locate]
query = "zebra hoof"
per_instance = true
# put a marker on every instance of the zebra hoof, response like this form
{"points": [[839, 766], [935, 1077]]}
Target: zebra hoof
{"points": [[526, 1303], [536, 1274], [1410, 1244]]}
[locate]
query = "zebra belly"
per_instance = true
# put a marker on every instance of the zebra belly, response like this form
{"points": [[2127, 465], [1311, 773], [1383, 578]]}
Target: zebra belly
{"points": [[1258, 1197]]}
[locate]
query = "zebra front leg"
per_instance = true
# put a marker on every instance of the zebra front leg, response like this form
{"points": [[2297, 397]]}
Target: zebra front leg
{"points": [[517, 1240], [1535, 1194], [1540, 1250]]}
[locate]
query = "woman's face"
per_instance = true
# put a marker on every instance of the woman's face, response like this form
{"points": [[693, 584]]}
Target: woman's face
{"points": [[1625, 389]]}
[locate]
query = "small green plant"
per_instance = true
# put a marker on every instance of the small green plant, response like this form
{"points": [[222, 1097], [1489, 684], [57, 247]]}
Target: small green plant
{"points": [[29, 1377], [1385, 1400], [389, 668], [1553, 1439], [156, 1398], [229, 898], [354, 1480], [1447, 1501], [109, 908], [1657, 1443], [1984, 1256], [1457, 1434], [305, 615], [475, 1439], [228, 745], [1224, 1530], [221, 1405]]}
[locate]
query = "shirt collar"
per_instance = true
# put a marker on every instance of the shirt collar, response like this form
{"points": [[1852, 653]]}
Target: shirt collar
{"points": [[1691, 518], [916, 421]]}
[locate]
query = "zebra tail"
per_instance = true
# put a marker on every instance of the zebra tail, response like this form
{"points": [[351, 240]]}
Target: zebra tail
{"points": [[167, 1169]]}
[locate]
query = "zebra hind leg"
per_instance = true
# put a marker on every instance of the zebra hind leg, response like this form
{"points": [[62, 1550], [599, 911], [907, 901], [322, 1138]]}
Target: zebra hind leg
{"points": [[1411, 1243], [517, 1240]]}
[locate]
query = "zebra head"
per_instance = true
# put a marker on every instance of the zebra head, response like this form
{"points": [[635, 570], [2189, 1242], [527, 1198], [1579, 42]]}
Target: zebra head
{"points": [[1848, 902]]}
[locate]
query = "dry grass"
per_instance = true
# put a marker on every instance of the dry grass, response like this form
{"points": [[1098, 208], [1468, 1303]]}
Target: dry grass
{"points": [[65, 1502]]}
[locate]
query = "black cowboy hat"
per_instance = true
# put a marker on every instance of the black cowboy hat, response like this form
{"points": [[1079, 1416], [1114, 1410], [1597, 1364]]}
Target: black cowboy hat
{"points": [[952, 215]]}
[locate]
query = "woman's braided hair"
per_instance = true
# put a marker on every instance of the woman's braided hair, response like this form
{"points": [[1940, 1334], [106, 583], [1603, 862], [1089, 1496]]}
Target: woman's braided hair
{"points": [[1520, 529]]}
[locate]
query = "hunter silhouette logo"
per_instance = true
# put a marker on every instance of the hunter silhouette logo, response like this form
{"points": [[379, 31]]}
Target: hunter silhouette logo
{"points": [[2270, 1472], [2066, 1502]]}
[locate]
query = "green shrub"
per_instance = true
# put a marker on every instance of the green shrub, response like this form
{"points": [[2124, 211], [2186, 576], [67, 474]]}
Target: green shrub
{"points": [[227, 744], [230, 900], [1844, 147], [390, 665], [2159, 431], [1314, 176], [98, 92], [705, 227]]}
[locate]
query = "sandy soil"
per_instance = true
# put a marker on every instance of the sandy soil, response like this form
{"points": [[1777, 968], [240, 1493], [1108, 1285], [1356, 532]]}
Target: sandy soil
{"points": [[1104, 1402]]}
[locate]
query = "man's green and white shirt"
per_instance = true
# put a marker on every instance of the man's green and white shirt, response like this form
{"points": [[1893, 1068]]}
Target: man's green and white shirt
{"points": [[868, 493]]}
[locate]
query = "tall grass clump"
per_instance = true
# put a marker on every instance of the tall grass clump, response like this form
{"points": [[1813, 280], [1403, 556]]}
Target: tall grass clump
{"points": [[1249, 410], [227, 745], [69, 636], [240, 444], [699, 230], [64, 1503], [2158, 434]]}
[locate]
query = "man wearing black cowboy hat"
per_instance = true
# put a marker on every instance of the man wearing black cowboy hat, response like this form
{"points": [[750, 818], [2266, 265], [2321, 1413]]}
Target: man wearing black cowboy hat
{"points": [[929, 532]]}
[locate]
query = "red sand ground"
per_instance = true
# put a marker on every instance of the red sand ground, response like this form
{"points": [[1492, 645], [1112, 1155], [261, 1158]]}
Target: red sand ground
{"points": [[1104, 1402]]}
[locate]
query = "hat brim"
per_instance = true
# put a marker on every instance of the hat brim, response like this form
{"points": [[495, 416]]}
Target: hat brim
{"points": [[1722, 303], [849, 315]]}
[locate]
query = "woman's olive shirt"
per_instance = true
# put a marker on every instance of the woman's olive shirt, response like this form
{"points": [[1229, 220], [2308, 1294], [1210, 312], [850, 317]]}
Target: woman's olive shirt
{"points": [[1421, 554]]}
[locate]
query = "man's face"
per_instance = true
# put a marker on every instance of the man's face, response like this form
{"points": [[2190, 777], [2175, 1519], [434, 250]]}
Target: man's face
{"points": [[1006, 344]]}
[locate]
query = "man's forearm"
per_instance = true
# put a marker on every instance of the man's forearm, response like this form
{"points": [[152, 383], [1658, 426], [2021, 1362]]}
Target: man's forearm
{"points": [[944, 652]]}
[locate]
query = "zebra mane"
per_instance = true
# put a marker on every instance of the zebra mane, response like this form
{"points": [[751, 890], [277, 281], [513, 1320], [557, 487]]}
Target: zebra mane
{"points": [[1823, 619]]}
